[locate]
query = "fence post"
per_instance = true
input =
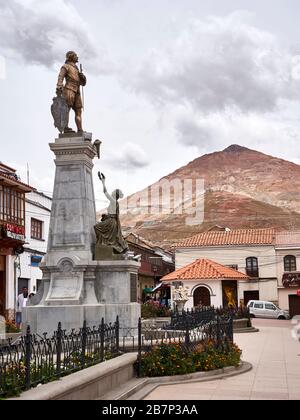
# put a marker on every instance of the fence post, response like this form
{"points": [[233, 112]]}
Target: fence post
{"points": [[117, 334], [58, 349], [83, 344], [27, 357], [102, 340], [249, 318], [231, 329], [187, 332], [218, 331], [139, 357]]}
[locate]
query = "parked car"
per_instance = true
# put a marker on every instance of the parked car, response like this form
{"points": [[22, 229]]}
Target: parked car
{"points": [[263, 309]]}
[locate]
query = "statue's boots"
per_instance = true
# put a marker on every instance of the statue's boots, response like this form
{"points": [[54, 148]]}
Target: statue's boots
{"points": [[68, 130]]}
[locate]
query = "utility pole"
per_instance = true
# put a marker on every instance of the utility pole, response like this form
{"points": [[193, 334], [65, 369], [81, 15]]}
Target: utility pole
{"points": [[27, 174]]}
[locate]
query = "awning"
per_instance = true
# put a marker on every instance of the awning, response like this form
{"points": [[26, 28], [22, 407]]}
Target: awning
{"points": [[159, 286]]}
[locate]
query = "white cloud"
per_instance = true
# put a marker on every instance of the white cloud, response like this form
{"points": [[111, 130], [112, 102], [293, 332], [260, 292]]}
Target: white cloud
{"points": [[219, 63], [43, 183], [130, 157], [271, 133], [224, 81], [41, 32]]}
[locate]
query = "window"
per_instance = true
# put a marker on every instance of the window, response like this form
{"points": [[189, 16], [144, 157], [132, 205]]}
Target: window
{"points": [[290, 263], [269, 306], [36, 229], [259, 305], [252, 267]]}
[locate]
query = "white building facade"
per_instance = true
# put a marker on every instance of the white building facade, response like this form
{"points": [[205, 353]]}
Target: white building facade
{"points": [[38, 209], [207, 283], [251, 252], [287, 247]]}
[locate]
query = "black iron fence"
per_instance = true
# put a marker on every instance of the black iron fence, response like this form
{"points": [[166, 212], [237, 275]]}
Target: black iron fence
{"points": [[194, 317], [38, 359], [235, 313]]}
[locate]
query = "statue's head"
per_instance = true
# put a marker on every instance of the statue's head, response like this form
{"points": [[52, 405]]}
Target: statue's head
{"points": [[117, 194], [72, 56]]}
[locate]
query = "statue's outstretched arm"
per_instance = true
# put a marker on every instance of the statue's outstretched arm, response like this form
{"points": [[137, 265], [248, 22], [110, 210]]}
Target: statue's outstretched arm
{"points": [[108, 196], [102, 179]]}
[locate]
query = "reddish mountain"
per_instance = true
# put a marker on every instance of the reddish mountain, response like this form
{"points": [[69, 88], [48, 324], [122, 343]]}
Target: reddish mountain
{"points": [[243, 189]]}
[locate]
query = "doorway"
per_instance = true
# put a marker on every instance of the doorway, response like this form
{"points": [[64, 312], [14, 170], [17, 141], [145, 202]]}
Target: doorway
{"points": [[2, 285], [230, 295], [202, 297], [294, 305], [22, 283], [250, 295]]}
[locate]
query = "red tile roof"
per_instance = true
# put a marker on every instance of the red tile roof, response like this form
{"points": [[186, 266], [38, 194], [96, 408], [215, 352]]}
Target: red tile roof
{"points": [[205, 269], [14, 181], [287, 238], [233, 237]]}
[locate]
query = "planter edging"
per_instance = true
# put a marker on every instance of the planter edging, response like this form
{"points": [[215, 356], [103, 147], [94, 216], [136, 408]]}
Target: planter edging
{"points": [[142, 390]]}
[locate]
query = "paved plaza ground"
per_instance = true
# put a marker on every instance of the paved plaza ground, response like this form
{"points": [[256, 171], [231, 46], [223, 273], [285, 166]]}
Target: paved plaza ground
{"points": [[275, 357]]}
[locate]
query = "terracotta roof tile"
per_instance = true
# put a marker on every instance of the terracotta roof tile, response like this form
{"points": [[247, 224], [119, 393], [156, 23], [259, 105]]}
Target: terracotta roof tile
{"points": [[205, 269], [287, 238], [233, 237], [16, 181]]}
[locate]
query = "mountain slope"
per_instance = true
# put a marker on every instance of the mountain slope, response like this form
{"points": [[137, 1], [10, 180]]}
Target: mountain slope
{"points": [[243, 189]]}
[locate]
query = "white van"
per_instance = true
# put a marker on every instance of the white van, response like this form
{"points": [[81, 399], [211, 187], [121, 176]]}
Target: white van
{"points": [[263, 309]]}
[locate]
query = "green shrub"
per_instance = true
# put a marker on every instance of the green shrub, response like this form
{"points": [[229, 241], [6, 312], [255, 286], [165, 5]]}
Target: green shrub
{"points": [[153, 309], [175, 359]]}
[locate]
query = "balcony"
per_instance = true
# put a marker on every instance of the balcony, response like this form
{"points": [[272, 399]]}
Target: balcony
{"points": [[252, 273]]}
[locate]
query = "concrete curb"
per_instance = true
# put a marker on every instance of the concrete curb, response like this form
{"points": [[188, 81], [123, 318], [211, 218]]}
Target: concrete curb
{"points": [[141, 390], [246, 330]]}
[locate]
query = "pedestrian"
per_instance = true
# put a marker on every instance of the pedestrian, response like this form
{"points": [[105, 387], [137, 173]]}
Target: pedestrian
{"points": [[21, 303]]}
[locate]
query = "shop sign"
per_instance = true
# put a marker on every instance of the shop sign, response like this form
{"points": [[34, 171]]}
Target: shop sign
{"points": [[14, 232], [291, 280]]}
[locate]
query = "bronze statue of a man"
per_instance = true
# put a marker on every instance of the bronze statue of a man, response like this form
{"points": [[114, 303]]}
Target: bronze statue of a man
{"points": [[71, 89]]}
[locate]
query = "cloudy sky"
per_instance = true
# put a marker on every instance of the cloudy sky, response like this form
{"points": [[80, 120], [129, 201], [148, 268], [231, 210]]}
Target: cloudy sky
{"points": [[168, 81]]}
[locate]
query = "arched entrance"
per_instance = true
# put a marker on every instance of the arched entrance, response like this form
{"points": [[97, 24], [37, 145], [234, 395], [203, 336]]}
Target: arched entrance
{"points": [[202, 297]]}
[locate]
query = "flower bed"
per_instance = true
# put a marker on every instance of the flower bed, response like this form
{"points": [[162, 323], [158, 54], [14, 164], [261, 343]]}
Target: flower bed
{"points": [[176, 359], [13, 382], [10, 327], [154, 309]]}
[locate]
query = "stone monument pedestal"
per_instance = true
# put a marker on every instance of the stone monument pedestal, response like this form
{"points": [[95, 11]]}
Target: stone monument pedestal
{"points": [[106, 289], [117, 290], [75, 287]]}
